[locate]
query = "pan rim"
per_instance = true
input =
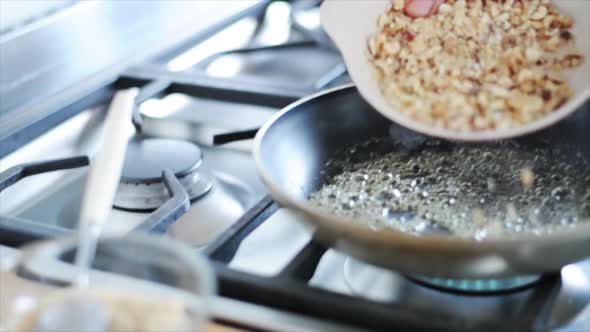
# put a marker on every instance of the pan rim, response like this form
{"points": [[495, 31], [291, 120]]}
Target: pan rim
{"points": [[320, 218]]}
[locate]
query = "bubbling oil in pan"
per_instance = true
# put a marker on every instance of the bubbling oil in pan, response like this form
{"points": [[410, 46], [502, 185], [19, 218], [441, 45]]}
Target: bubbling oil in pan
{"points": [[467, 191]]}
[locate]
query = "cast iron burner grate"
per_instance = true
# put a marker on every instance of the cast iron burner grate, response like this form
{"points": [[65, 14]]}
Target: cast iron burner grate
{"points": [[16, 231], [289, 290]]}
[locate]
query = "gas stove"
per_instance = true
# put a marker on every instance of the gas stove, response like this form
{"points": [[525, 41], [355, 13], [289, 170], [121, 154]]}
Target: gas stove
{"points": [[189, 173]]}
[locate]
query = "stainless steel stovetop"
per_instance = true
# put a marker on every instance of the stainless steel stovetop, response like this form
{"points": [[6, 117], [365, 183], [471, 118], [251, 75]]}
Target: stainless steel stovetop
{"points": [[229, 76]]}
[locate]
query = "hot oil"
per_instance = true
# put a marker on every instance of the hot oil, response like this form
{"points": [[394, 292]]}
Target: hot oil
{"points": [[467, 191]]}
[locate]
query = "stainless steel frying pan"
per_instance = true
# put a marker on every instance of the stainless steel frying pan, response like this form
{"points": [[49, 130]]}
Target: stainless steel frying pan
{"points": [[292, 149]]}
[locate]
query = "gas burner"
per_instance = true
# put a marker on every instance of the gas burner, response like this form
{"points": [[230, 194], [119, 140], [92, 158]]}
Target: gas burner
{"points": [[141, 187], [374, 282], [477, 286]]}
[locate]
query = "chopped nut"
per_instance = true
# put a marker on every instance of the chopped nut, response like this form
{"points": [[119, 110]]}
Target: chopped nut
{"points": [[372, 45], [445, 8], [539, 14], [475, 65], [392, 48], [527, 177], [525, 75], [383, 21], [478, 216], [533, 54], [398, 5], [566, 22], [511, 211], [572, 60], [525, 103], [499, 91], [515, 20], [505, 17], [552, 44], [565, 35]]}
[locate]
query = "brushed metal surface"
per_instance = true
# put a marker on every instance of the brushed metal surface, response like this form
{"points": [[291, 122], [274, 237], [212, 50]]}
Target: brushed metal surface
{"points": [[88, 44]]}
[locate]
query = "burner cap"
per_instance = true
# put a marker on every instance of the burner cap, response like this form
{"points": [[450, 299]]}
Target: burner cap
{"points": [[141, 187], [377, 283], [147, 158]]}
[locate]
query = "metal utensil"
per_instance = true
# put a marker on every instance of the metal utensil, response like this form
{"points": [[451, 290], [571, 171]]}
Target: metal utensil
{"points": [[104, 175], [292, 149], [79, 311]]}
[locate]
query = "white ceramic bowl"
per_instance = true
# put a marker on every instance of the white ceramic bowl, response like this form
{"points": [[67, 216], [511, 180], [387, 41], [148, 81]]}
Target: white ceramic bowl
{"points": [[350, 23]]}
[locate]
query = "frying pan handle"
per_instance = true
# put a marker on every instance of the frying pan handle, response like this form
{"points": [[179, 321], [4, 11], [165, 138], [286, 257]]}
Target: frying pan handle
{"points": [[105, 171]]}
